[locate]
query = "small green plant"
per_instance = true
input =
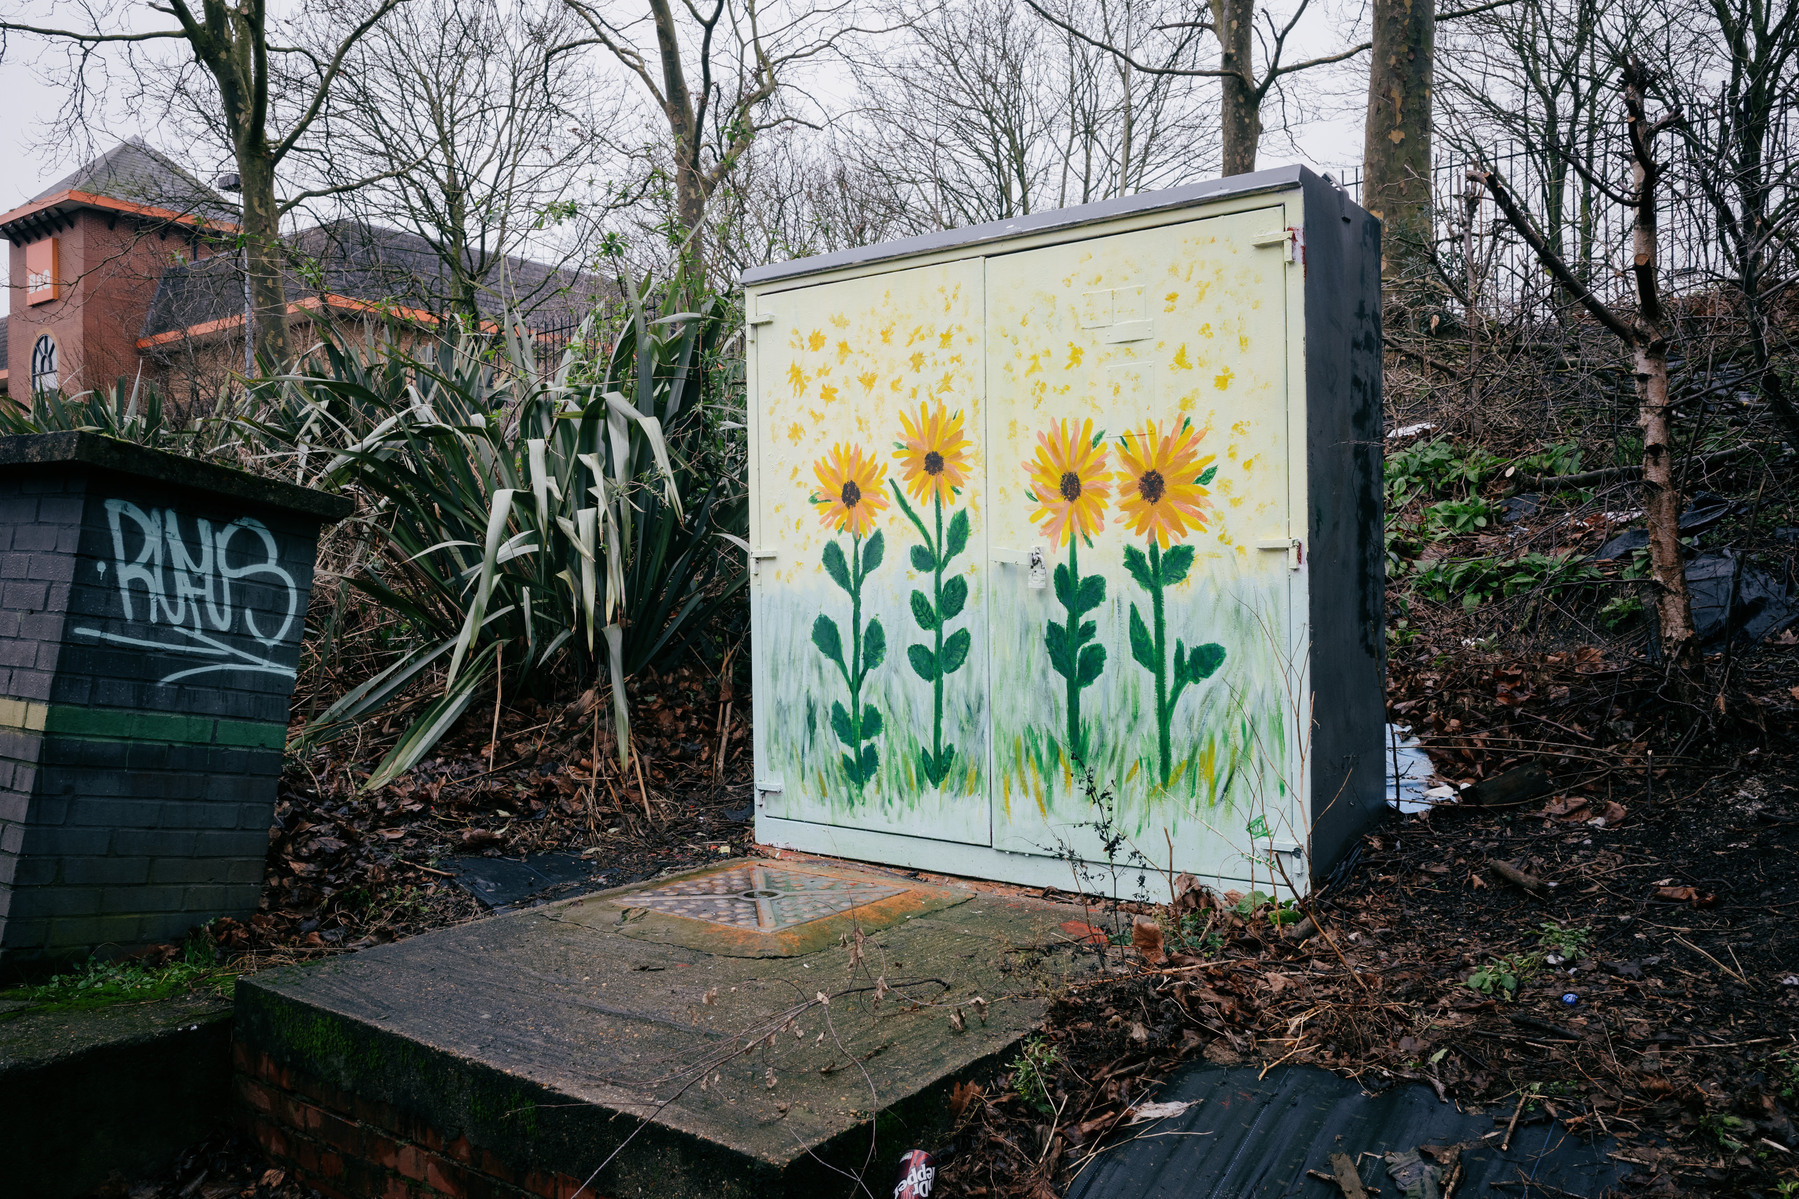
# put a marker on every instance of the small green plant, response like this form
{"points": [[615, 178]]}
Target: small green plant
{"points": [[1789, 1189], [1456, 517], [95, 982], [1786, 1072], [1031, 1073], [1503, 976], [1730, 1132], [1560, 458], [1564, 942], [1621, 611]]}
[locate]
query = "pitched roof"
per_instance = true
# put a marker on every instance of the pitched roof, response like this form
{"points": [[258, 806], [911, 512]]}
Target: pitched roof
{"points": [[372, 265], [134, 172], [130, 179]]}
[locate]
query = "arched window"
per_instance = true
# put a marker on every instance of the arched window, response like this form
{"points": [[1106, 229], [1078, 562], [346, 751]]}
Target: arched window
{"points": [[43, 365]]}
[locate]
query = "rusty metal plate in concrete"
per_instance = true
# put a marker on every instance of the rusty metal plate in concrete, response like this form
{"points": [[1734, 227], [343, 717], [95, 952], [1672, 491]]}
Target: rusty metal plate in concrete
{"points": [[766, 909]]}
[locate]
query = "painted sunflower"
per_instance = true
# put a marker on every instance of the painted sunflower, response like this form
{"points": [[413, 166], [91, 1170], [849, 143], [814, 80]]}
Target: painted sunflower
{"points": [[1159, 489], [934, 455], [850, 489], [1069, 481]]}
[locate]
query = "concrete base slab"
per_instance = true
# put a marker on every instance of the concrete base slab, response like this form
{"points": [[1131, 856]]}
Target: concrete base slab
{"points": [[746, 1029]]}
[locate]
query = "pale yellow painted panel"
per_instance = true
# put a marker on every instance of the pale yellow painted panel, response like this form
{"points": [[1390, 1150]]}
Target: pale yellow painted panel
{"points": [[1138, 431], [871, 678]]}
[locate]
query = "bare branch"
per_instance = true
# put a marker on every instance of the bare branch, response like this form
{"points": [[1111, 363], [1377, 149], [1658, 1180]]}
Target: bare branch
{"points": [[1551, 261]]}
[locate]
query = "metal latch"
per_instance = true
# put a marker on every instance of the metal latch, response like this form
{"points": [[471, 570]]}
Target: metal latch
{"points": [[1280, 237], [1031, 558], [757, 558], [756, 322], [774, 785], [1290, 545]]}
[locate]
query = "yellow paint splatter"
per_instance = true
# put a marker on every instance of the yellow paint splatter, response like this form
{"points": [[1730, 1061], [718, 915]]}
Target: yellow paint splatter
{"points": [[839, 321], [795, 434], [1168, 301], [1075, 354], [827, 393], [1243, 342], [1205, 330], [886, 335], [1240, 429], [918, 360], [944, 338], [1248, 463], [867, 379], [843, 350], [1181, 361], [797, 378], [1222, 379], [815, 340]]}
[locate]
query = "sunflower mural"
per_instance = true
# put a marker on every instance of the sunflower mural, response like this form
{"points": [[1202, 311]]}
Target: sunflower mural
{"points": [[1162, 497], [849, 497], [934, 463], [1069, 486]]}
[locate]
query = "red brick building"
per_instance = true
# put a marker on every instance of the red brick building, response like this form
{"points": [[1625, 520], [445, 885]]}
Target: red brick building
{"points": [[128, 269]]}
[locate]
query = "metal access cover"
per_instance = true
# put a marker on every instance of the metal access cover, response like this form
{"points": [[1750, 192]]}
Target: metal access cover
{"points": [[758, 909]]}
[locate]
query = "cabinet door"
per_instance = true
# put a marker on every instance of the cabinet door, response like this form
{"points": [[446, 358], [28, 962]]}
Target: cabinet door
{"points": [[870, 648], [1146, 674]]}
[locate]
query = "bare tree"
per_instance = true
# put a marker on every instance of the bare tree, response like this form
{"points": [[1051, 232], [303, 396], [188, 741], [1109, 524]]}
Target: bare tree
{"points": [[1244, 90], [717, 72], [1646, 334], [231, 43], [472, 141]]}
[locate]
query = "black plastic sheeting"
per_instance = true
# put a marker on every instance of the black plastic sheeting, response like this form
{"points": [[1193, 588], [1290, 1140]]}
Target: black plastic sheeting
{"points": [[540, 877], [1248, 1137]]}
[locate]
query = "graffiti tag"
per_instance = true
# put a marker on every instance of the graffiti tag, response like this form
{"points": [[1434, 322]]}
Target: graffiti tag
{"points": [[168, 581]]}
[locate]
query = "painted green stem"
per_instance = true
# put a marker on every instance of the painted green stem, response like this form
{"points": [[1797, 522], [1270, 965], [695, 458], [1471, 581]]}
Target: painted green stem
{"points": [[1164, 754], [942, 656], [1077, 748]]}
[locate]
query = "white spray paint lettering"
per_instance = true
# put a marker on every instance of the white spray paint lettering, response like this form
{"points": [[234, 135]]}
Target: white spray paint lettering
{"points": [[188, 586]]}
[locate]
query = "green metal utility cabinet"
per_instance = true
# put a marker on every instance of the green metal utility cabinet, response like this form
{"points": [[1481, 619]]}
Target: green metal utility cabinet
{"points": [[1065, 532]]}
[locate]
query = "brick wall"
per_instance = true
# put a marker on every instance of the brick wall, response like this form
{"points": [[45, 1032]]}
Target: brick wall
{"points": [[149, 635], [350, 1147]]}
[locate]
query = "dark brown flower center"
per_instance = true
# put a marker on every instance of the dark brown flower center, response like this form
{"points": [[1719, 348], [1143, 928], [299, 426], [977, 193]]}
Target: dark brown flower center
{"points": [[852, 494], [933, 463], [1151, 487], [1071, 486]]}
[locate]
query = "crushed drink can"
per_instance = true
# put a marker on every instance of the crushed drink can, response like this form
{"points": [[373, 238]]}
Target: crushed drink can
{"points": [[917, 1174]]}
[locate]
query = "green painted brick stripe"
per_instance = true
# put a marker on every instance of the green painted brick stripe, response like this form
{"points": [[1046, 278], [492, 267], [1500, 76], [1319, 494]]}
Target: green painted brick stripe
{"points": [[116, 724]]}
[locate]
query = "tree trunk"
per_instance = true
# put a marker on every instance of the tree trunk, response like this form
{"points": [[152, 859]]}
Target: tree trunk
{"points": [[1649, 352], [1396, 152], [262, 250], [1240, 112], [690, 185]]}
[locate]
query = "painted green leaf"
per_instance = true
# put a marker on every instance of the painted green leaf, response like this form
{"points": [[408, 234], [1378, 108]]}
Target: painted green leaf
{"points": [[871, 722], [955, 594], [955, 540], [1087, 629], [872, 551], [874, 645], [1142, 648], [852, 771], [1055, 640], [1093, 662], [1259, 828], [1093, 594], [1205, 661], [840, 724], [828, 640], [923, 561], [923, 612], [1180, 669], [1138, 565], [835, 566], [927, 766], [955, 650], [1175, 564], [924, 662], [870, 759], [1064, 586], [1206, 476]]}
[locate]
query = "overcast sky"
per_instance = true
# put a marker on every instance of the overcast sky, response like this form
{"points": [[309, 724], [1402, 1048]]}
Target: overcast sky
{"points": [[1331, 139]]}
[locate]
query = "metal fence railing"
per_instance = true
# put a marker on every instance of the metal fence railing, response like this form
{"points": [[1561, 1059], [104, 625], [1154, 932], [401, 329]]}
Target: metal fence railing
{"points": [[1474, 244]]}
